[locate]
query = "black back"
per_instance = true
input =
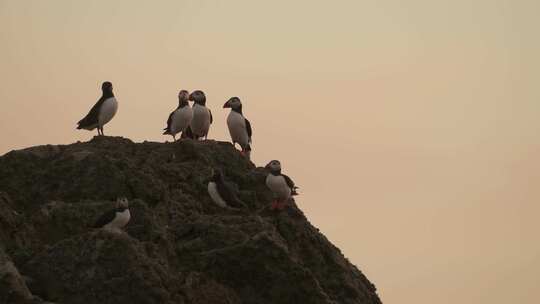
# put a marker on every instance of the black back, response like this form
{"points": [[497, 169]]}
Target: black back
{"points": [[290, 183], [181, 104], [169, 122], [248, 128], [92, 117], [107, 217], [227, 192]]}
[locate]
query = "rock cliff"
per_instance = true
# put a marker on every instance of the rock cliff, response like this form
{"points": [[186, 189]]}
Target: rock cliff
{"points": [[179, 247]]}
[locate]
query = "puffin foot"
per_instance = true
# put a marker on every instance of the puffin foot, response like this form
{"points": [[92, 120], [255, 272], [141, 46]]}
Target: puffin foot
{"points": [[246, 154]]}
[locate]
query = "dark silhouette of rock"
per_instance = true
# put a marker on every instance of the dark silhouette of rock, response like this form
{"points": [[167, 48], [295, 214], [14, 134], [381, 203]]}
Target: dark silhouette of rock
{"points": [[179, 247], [13, 288]]}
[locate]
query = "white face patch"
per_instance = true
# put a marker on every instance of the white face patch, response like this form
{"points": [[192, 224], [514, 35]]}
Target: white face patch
{"points": [[197, 96], [184, 95], [275, 165]]}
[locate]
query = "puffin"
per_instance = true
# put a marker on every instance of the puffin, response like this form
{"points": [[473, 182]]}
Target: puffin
{"points": [[239, 126], [115, 219], [102, 112], [281, 185], [222, 192], [202, 116], [180, 118]]}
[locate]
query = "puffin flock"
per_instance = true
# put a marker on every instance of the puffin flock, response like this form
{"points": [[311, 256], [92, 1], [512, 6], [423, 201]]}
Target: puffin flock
{"points": [[193, 122]]}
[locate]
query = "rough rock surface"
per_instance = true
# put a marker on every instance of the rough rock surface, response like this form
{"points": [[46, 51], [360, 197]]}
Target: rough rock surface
{"points": [[13, 288], [179, 246]]}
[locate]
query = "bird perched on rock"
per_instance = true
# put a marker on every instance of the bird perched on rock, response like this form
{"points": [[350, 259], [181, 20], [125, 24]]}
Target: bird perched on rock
{"points": [[202, 116], [281, 185], [115, 219], [222, 192], [180, 118], [102, 112], [239, 126]]}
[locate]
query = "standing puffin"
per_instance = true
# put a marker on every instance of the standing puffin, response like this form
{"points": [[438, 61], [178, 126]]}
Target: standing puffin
{"points": [[239, 126], [202, 117], [102, 112], [180, 118], [115, 219], [281, 185], [222, 193]]}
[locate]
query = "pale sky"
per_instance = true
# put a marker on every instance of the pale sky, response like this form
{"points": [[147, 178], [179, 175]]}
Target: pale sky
{"points": [[412, 127]]}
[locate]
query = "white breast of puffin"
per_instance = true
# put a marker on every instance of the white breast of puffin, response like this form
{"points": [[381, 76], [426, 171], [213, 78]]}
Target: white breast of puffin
{"points": [[120, 220], [181, 119], [237, 128], [201, 120], [107, 111], [278, 185], [185, 115], [236, 121], [214, 194]]}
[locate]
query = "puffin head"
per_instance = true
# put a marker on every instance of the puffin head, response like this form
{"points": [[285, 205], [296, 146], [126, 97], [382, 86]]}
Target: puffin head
{"points": [[122, 203], [106, 86], [183, 96], [233, 103], [273, 166], [198, 97]]}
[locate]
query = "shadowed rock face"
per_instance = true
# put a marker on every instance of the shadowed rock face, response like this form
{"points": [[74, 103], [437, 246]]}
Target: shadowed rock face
{"points": [[179, 247], [13, 288]]}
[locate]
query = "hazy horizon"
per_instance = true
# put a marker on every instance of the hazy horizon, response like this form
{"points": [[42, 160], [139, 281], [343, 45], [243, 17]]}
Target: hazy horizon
{"points": [[412, 130]]}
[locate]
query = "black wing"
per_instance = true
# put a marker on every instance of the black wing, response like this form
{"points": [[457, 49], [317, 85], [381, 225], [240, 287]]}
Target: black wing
{"points": [[106, 218], [169, 122], [211, 118], [226, 192], [229, 194], [92, 117], [248, 128], [291, 185]]}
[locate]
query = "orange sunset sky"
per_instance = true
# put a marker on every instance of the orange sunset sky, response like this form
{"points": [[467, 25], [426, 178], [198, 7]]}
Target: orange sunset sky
{"points": [[412, 127]]}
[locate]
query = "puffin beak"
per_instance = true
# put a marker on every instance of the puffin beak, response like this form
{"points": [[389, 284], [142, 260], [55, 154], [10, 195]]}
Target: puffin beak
{"points": [[190, 98], [227, 104]]}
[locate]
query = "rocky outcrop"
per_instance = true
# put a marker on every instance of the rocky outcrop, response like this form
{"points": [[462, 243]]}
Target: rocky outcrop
{"points": [[13, 288], [179, 246]]}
